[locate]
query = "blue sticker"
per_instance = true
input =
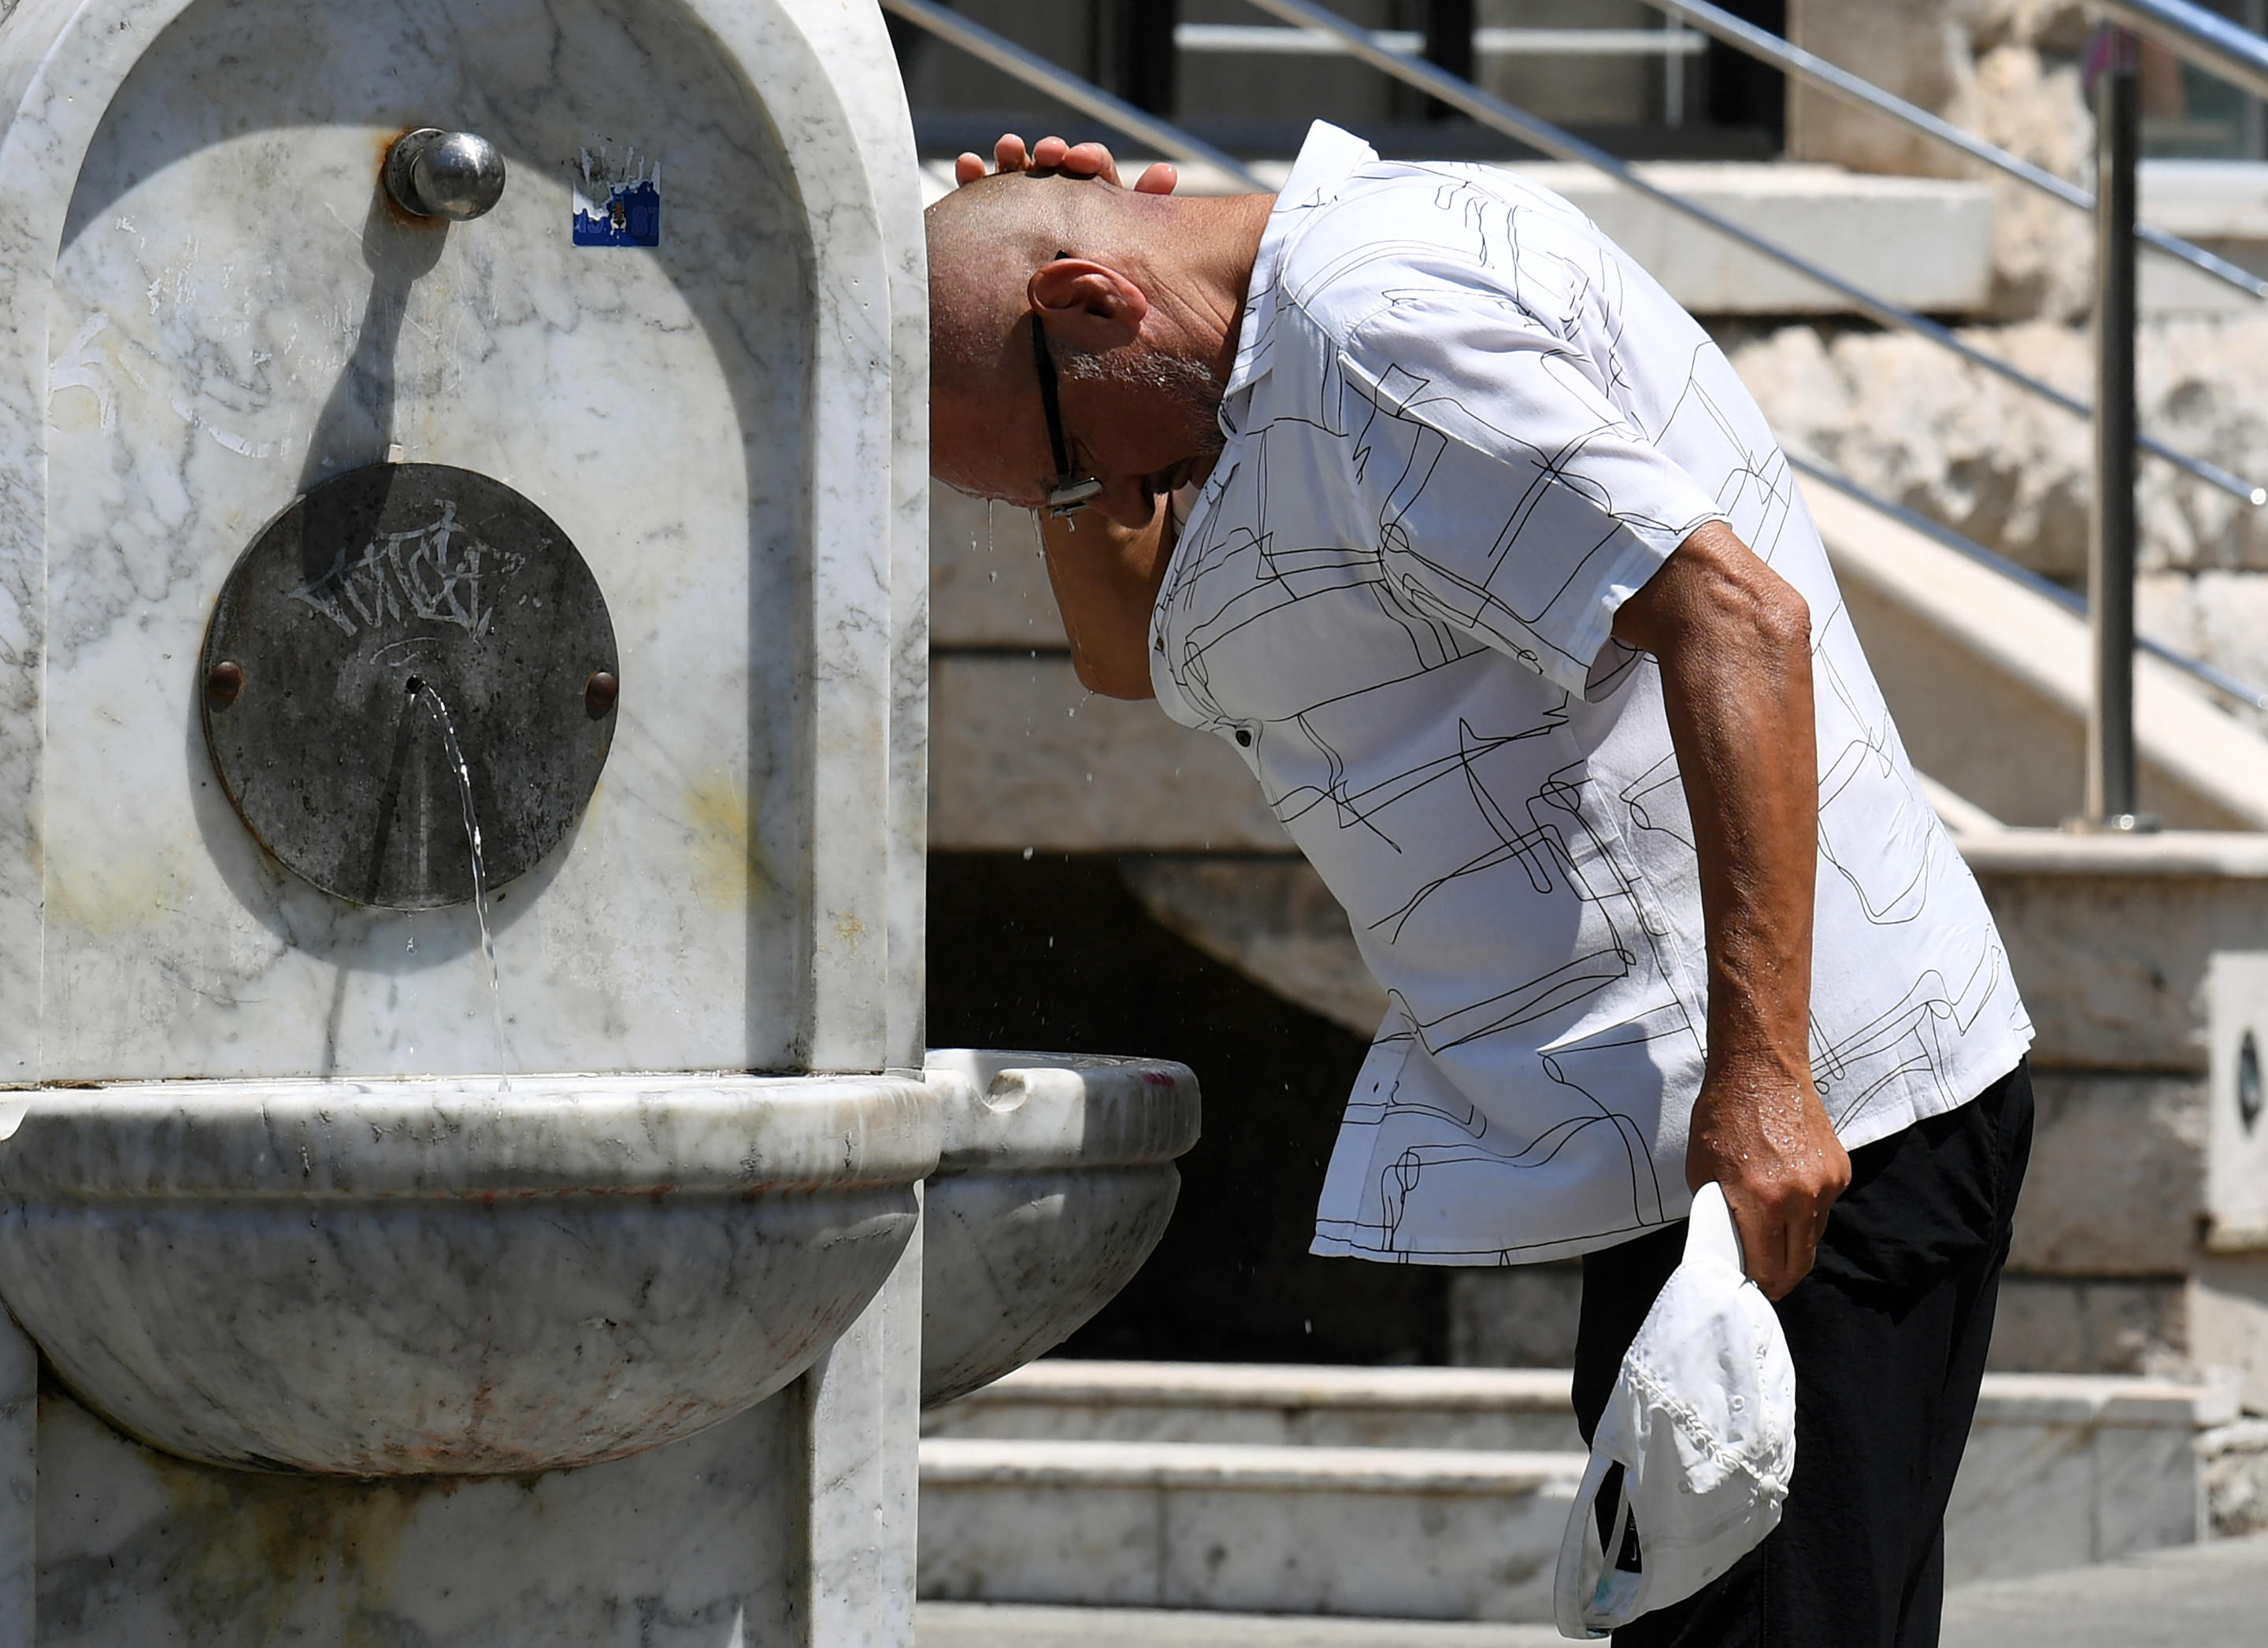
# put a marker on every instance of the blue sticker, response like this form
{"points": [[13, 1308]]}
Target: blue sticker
{"points": [[618, 203]]}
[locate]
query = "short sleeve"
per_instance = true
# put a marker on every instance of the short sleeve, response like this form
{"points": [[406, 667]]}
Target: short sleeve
{"points": [[1511, 499]]}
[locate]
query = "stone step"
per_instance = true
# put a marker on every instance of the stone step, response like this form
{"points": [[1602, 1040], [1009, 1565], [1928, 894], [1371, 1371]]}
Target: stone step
{"points": [[2211, 1597], [1497, 1410], [1387, 1532], [1440, 1492]]}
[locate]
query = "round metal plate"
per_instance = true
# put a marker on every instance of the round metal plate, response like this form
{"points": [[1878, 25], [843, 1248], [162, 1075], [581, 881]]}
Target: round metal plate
{"points": [[374, 583]]}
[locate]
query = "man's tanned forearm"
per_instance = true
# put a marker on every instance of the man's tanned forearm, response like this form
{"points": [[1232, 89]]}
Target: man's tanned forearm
{"points": [[1734, 640], [1106, 580]]}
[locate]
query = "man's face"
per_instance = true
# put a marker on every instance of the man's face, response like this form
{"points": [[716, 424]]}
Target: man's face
{"points": [[1140, 423]]}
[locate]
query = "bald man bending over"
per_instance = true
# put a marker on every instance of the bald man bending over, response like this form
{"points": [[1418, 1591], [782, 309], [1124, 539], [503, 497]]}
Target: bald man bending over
{"points": [[1416, 490]]}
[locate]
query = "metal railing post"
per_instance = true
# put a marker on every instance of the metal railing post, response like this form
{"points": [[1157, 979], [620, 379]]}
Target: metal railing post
{"points": [[2110, 791]]}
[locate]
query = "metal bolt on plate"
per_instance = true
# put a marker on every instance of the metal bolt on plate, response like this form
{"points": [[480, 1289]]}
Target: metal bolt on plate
{"points": [[223, 682], [599, 693]]}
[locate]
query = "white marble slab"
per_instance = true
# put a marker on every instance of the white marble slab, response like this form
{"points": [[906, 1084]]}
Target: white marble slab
{"points": [[1492, 1409], [208, 310], [19, 1480], [1391, 1532], [233, 317], [1404, 1493], [885, 129], [684, 1547], [1056, 1181], [790, 1524], [861, 1429], [413, 1278], [1019, 1260], [1001, 1110], [2063, 1470]]}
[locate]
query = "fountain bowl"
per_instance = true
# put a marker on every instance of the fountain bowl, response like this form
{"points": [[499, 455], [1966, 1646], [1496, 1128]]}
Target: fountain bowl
{"points": [[432, 1277], [1054, 1183]]}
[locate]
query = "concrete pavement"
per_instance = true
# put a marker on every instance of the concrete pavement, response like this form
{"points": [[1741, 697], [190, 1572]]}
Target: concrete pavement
{"points": [[2195, 1596], [2203, 1596], [981, 1625]]}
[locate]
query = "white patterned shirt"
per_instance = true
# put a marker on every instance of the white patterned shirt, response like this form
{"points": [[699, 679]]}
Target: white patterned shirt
{"points": [[1464, 427]]}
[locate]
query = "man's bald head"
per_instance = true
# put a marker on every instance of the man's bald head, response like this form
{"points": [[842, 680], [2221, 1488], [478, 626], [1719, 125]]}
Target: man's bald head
{"points": [[1133, 323], [985, 239]]}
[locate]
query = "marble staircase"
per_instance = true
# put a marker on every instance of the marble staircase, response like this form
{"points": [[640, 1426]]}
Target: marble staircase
{"points": [[1440, 1492]]}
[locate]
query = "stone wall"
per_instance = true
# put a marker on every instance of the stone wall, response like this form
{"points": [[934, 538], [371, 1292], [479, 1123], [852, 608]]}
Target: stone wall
{"points": [[1965, 448], [2006, 69], [1958, 444]]}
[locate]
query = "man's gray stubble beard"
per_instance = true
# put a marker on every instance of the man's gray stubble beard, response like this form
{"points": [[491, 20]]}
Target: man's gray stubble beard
{"points": [[1192, 385]]}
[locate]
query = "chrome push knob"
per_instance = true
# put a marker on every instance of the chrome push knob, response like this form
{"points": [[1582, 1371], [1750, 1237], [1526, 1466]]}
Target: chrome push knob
{"points": [[433, 173]]}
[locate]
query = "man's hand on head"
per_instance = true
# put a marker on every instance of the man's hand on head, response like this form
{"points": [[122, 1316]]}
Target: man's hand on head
{"points": [[1053, 154]]}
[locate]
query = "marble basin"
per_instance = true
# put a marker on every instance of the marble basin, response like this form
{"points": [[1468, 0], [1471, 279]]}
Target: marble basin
{"points": [[1055, 1181], [429, 1278]]}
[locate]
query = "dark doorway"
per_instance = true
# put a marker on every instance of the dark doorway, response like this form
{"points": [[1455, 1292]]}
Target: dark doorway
{"points": [[1054, 953]]}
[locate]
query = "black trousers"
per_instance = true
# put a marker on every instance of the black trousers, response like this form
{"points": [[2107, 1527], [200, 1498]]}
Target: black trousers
{"points": [[1889, 1333]]}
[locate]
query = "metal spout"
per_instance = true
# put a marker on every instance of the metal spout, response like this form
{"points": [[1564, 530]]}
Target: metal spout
{"points": [[433, 173]]}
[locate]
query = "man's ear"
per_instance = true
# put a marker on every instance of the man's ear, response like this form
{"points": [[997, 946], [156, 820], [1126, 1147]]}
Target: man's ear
{"points": [[1091, 306]]}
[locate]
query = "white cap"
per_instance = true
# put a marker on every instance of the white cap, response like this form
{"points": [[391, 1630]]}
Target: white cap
{"points": [[1702, 1420]]}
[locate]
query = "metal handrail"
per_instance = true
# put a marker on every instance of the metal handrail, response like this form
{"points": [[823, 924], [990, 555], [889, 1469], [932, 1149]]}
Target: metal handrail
{"points": [[2204, 37], [1495, 113], [1488, 42], [2219, 680], [1037, 72], [1766, 46]]}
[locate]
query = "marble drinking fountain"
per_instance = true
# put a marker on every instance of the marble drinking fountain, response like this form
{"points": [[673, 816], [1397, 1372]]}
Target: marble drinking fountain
{"points": [[469, 1172]]}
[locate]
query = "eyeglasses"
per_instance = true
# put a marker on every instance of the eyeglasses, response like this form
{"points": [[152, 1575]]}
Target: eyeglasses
{"points": [[1069, 493]]}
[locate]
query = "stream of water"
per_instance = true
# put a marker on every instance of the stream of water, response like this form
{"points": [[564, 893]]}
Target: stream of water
{"points": [[432, 701]]}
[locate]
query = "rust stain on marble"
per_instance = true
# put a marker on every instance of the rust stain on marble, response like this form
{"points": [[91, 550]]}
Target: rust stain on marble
{"points": [[728, 867], [272, 1536]]}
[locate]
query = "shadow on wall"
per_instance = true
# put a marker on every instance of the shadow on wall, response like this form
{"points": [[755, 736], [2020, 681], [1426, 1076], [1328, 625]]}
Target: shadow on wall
{"points": [[1054, 952]]}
